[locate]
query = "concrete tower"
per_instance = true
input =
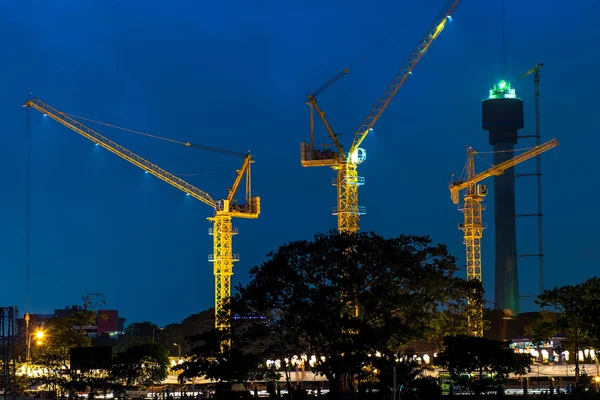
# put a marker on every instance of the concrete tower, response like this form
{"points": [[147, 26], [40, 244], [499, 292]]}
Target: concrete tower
{"points": [[502, 117]]}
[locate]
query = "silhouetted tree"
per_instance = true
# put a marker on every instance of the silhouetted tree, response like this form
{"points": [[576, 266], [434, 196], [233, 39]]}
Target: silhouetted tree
{"points": [[576, 314], [53, 351], [308, 291], [142, 365], [137, 333], [491, 361], [227, 367]]}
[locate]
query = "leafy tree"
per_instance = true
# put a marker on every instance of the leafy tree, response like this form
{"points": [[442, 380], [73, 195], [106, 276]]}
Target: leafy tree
{"points": [[490, 361], [305, 288], [452, 320], [542, 328], [592, 288], [576, 314], [53, 351], [137, 333], [228, 367], [141, 365], [410, 379], [148, 332]]}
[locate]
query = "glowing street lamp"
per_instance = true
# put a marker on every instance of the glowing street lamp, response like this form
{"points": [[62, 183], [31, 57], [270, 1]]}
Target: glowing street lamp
{"points": [[39, 335]]}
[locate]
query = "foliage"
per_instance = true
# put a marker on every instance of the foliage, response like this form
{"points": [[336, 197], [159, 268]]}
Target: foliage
{"points": [[142, 365], [422, 388], [490, 361], [148, 332], [136, 334], [408, 371], [577, 312], [307, 292], [452, 320], [543, 328], [228, 367], [53, 351]]}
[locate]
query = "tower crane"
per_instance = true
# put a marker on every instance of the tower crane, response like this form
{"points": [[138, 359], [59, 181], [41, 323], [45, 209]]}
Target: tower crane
{"points": [[535, 70], [224, 209], [345, 163], [473, 226]]}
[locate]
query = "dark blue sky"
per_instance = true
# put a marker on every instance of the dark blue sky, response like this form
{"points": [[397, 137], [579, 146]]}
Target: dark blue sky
{"points": [[235, 75]]}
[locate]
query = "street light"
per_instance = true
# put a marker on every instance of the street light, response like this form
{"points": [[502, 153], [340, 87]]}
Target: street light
{"points": [[178, 350], [39, 335]]}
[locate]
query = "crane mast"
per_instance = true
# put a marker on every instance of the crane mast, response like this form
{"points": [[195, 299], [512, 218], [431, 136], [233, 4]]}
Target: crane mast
{"points": [[473, 225], [345, 164], [225, 209], [536, 84]]}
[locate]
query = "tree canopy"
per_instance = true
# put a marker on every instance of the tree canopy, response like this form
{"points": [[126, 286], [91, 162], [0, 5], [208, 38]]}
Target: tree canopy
{"points": [[576, 314], [226, 366], [52, 351], [345, 297], [141, 365], [492, 362]]}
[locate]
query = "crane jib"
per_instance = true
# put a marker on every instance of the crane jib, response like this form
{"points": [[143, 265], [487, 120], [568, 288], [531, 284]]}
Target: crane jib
{"points": [[422, 47], [500, 168], [122, 152]]}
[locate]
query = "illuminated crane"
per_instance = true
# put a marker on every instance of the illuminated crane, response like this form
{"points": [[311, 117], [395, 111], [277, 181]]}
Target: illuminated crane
{"points": [[473, 207], [348, 181], [225, 209]]}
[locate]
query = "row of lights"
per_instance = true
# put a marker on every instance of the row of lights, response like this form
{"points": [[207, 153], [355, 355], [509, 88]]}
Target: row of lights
{"points": [[312, 361], [583, 354]]}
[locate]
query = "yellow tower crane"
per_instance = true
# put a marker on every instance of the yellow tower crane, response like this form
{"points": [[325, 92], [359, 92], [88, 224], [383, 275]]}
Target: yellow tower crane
{"points": [[225, 209], [473, 225], [345, 164]]}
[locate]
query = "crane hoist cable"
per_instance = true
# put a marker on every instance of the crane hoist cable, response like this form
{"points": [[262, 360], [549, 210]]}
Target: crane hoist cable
{"points": [[27, 213], [187, 144]]}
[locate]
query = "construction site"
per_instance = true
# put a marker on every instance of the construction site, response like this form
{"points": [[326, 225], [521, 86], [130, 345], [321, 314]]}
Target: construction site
{"points": [[502, 115], [508, 152]]}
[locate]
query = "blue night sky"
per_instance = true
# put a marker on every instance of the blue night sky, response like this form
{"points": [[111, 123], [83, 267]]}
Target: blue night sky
{"points": [[235, 75]]}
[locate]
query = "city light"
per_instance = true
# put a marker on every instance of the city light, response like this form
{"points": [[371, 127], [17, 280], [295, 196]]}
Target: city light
{"points": [[502, 90]]}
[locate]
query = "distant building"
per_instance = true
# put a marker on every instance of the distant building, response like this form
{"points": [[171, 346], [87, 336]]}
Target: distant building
{"points": [[107, 321]]}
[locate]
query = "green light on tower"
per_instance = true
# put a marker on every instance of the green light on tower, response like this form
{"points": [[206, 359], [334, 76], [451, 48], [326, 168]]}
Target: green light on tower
{"points": [[502, 90]]}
